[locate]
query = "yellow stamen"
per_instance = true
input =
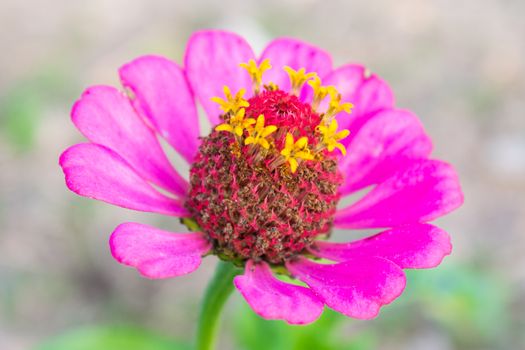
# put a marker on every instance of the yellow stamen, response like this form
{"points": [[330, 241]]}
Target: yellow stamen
{"points": [[335, 105], [256, 72], [259, 133], [271, 86], [330, 136], [320, 92], [237, 123], [298, 78], [296, 150], [231, 103]]}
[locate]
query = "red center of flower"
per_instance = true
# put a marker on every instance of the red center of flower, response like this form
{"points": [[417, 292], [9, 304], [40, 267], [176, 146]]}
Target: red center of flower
{"points": [[245, 198], [285, 111]]}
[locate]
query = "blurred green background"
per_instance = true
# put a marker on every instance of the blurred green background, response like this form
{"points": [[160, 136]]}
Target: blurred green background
{"points": [[459, 65]]}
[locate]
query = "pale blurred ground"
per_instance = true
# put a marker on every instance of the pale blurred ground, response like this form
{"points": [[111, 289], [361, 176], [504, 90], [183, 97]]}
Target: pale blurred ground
{"points": [[460, 65]]}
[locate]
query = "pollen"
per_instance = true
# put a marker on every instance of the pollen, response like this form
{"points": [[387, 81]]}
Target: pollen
{"points": [[264, 183], [271, 86]]}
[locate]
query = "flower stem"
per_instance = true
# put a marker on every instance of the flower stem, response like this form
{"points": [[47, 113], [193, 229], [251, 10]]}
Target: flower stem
{"points": [[218, 291]]}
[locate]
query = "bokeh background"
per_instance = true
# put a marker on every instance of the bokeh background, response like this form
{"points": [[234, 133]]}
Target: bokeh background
{"points": [[460, 65]]}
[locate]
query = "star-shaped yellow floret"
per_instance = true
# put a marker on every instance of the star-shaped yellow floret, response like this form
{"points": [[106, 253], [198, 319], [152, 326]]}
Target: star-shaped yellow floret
{"points": [[231, 103], [335, 105], [294, 150], [330, 136], [259, 133], [298, 78], [320, 92], [256, 71], [237, 123]]}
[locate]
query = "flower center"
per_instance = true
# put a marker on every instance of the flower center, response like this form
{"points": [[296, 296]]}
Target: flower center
{"points": [[264, 183]]}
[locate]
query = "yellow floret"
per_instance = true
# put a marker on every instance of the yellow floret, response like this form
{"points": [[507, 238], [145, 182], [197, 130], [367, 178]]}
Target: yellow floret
{"points": [[298, 78], [231, 103], [330, 136], [256, 72], [237, 123], [296, 150], [259, 133], [320, 92], [335, 105]]}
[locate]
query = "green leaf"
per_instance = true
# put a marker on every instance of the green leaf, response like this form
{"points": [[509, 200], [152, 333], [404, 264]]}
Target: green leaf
{"points": [[111, 338]]}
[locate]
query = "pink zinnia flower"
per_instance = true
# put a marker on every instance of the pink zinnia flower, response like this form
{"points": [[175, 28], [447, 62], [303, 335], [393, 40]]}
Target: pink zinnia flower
{"points": [[292, 135]]}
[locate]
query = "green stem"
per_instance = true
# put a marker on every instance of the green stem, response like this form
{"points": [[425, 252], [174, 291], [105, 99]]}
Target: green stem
{"points": [[218, 291]]}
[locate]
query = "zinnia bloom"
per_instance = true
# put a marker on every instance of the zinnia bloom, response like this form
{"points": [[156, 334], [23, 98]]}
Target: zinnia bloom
{"points": [[291, 136]]}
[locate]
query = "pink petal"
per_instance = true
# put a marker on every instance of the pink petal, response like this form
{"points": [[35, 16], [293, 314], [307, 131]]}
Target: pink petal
{"points": [[416, 246], [296, 54], [212, 61], [423, 191], [372, 96], [357, 287], [162, 94], [157, 253], [273, 299], [347, 79], [95, 171], [368, 93], [106, 117], [389, 140]]}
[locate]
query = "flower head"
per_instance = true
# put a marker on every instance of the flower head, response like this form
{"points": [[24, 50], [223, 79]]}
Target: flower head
{"points": [[264, 185]]}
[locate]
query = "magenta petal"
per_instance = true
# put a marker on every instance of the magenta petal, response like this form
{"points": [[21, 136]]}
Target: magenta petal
{"points": [[157, 253], [356, 288], [347, 79], [423, 191], [416, 246], [162, 94], [212, 61], [296, 54], [368, 93], [373, 95], [273, 299], [95, 171], [388, 141], [106, 117]]}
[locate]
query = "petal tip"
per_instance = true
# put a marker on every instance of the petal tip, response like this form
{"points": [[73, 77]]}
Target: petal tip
{"points": [[273, 299], [156, 253]]}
